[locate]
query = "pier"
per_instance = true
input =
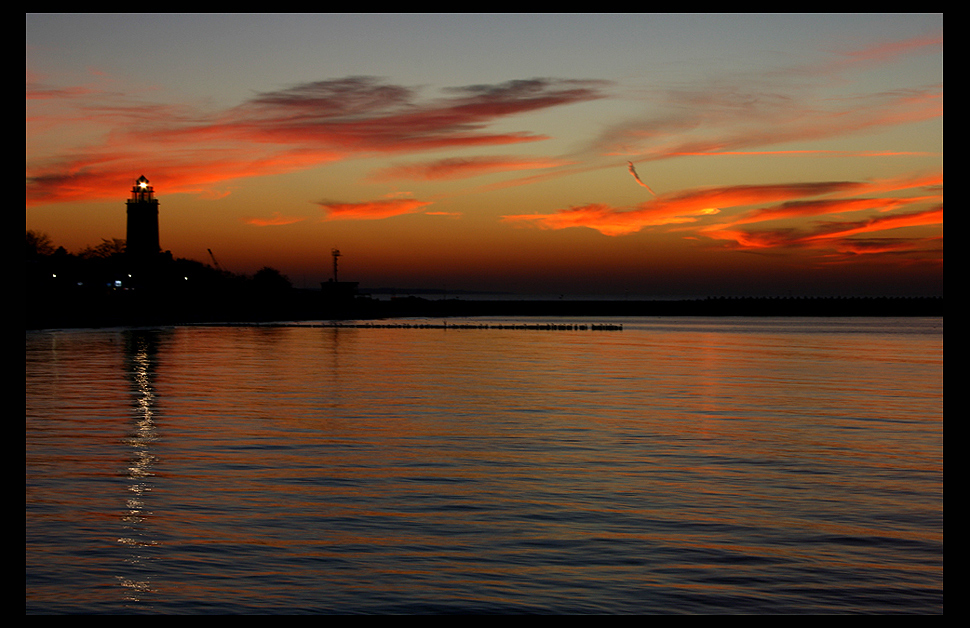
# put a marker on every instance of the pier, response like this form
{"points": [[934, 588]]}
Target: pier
{"points": [[445, 325]]}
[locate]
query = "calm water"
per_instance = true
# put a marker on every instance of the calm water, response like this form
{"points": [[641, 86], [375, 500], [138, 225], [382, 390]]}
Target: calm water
{"points": [[676, 466]]}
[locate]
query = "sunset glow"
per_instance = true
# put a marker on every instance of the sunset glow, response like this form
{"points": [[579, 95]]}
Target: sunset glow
{"points": [[787, 154]]}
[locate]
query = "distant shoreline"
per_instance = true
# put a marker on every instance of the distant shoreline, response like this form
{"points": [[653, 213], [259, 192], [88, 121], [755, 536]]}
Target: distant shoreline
{"points": [[716, 306], [126, 309]]}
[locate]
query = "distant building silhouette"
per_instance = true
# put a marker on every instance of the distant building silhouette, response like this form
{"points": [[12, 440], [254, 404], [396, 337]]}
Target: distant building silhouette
{"points": [[142, 242]]}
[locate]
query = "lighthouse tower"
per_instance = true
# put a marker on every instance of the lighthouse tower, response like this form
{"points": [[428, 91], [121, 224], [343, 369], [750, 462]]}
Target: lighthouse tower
{"points": [[142, 243]]}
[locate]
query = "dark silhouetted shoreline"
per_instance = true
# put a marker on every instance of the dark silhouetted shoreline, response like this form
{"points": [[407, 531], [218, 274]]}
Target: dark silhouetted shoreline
{"points": [[140, 308], [105, 287]]}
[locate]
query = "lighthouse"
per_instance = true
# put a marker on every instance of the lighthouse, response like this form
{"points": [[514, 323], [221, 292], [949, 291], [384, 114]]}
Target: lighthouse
{"points": [[142, 242]]}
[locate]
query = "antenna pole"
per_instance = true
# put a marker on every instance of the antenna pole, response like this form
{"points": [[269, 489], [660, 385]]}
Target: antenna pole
{"points": [[335, 254]]}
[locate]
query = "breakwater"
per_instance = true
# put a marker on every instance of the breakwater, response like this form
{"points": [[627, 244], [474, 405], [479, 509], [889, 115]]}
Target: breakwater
{"points": [[443, 325]]}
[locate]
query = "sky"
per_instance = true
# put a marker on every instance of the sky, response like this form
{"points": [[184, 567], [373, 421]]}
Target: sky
{"points": [[647, 155]]}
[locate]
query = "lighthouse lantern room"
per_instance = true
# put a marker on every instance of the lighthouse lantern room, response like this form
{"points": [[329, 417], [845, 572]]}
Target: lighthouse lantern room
{"points": [[142, 241]]}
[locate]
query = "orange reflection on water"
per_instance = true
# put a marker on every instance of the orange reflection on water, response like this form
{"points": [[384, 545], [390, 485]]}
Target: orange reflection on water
{"points": [[317, 465]]}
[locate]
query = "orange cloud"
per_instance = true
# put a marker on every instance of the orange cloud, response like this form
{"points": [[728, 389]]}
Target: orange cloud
{"points": [[675, 208], [97, 175], [816, 207], [930, 217], [792, 206], [372, 210], [928, 189], [838, 235], [276, 220], [613, 221]]}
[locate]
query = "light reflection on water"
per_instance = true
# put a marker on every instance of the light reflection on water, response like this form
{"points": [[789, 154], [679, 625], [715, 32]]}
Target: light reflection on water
{"points": [[680, 465]]}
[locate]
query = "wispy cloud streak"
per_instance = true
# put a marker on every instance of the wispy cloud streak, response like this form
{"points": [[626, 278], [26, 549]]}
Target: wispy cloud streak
{"points": [[464, 167], [633, 171], [734, 113], [274, 132]]}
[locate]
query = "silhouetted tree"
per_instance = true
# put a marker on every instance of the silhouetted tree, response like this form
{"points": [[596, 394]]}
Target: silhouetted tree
{"points": [[271, 280], [107, 248], [38, 244]]}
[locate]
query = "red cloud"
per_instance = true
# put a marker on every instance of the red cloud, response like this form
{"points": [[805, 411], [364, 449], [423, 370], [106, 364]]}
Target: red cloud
{"points": [[835, 236], [917, 248], [274, 132], [461, 168]]}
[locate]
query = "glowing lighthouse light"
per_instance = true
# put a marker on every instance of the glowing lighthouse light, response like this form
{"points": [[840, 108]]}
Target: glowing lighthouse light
{"points": [[142, 241]]}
